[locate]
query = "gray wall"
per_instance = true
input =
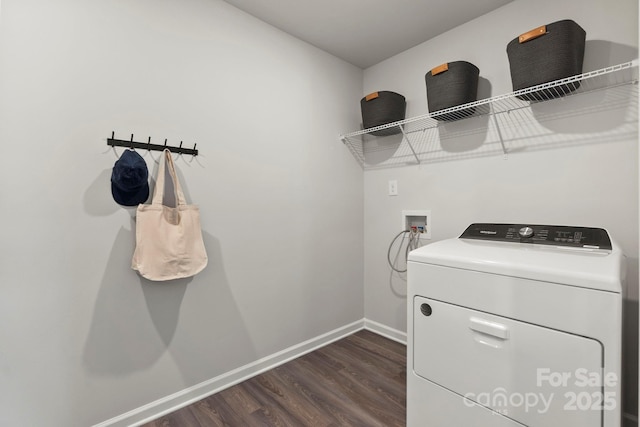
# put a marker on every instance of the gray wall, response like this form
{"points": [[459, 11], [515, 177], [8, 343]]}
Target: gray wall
{"points": [[83, 338], [577, 170]]}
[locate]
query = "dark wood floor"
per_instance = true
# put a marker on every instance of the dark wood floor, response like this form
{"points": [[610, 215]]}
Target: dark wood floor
{"points": [[357, 381]]}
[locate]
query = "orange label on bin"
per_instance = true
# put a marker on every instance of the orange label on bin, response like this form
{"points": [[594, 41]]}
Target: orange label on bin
{"points": [[530, 35], [440, 69], [371, 96]]}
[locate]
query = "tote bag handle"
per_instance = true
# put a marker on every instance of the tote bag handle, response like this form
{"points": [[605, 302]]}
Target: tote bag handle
{"points": [[158, 192]]}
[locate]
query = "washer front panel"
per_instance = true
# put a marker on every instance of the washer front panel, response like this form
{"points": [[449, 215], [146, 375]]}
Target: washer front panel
{"points": [[454, 273], [525, 372]]}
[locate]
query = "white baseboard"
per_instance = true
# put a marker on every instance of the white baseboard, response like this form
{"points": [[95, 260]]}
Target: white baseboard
{"points": [[191, 395], [385, 331]]}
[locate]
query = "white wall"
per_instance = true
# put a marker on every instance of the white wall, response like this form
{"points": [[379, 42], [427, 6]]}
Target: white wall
{"points": [[587, 175], [83, 338]]}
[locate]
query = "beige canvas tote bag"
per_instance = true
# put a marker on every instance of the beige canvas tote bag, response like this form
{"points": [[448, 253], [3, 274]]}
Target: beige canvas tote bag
{"points": [[169, 241]]}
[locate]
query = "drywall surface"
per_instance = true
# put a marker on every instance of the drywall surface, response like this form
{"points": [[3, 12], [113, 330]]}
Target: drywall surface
{"points": [[577, 170], [83, 337]]}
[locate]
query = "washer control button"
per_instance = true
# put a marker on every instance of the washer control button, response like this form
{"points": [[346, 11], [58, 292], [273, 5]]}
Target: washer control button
{"points": [[525, 232]]}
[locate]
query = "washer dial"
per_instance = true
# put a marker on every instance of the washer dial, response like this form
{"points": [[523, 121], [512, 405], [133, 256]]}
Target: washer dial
{"points": [[525, 232]]}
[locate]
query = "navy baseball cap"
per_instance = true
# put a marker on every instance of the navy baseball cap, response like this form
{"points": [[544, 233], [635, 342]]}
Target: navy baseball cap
{"points": [[129, 184]]}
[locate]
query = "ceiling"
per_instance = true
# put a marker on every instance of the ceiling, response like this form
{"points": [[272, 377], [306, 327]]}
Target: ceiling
{"points": [[366, 32]]}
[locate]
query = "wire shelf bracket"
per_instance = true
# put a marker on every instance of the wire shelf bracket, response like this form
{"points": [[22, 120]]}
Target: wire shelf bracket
{"points": [[406, 138]]}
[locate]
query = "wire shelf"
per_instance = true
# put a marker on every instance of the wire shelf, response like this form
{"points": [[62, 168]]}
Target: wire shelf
{"points": [[505, 123]]}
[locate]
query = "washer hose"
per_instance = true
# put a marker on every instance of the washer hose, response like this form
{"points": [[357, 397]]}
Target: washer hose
{"points": [[414, 238]]}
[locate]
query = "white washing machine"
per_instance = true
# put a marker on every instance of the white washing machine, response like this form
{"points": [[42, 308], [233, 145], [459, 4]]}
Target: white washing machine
{"points": [[515, 325]]}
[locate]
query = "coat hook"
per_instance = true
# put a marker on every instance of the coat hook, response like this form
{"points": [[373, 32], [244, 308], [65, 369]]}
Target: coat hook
{"points": [[133, 145]]}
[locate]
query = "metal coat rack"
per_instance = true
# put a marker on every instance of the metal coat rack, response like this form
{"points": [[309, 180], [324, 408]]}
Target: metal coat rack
{"points": [[149, 146]]}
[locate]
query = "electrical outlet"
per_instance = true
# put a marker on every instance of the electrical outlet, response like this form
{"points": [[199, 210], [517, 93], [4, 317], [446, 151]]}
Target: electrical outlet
{"points": [[393, 188]]}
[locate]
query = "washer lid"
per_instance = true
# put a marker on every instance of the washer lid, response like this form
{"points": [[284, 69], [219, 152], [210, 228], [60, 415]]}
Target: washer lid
{"points": [[581, 267]]}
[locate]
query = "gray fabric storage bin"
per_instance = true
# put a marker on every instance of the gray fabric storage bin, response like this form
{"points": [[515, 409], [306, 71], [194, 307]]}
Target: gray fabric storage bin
{"points": [[380, 108], [449, 85], [544, 54]]}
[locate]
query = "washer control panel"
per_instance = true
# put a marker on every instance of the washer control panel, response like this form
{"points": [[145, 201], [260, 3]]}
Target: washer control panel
{"points": [[555, 235]]}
